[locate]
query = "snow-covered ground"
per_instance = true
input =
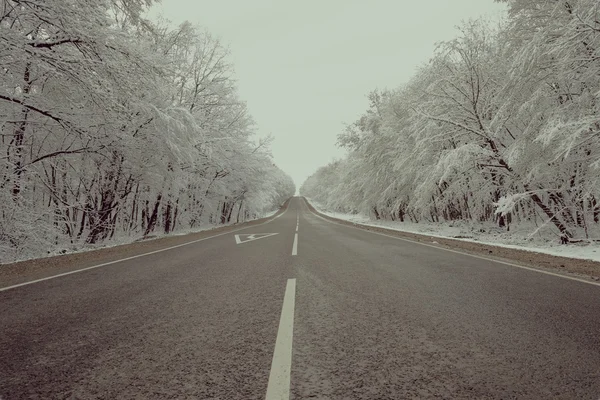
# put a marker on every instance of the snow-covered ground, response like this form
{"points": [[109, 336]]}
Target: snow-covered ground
{"points": [[521, 237], [117, 241]]}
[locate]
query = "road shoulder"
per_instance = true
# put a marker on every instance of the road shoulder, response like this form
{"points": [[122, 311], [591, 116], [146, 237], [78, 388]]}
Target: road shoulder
{"points": [[586, 269], [40, 268]]}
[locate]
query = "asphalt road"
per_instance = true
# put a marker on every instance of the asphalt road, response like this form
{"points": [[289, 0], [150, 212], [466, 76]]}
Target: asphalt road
{"points": [[372, 317]]}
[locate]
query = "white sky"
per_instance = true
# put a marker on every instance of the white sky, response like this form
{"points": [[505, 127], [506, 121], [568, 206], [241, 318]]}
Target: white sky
{"points": [[305, 68]]}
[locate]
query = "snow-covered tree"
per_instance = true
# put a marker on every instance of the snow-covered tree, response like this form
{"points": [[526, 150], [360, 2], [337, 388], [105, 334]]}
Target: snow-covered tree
{"points": [[114, 126], [502, 125]]}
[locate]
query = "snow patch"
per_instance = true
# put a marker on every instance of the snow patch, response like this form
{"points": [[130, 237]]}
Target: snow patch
{"points": [[477, 233]]}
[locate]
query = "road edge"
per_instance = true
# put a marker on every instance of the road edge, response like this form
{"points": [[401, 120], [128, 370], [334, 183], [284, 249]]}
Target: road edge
{"points": [[26, 272], [549, 264]]}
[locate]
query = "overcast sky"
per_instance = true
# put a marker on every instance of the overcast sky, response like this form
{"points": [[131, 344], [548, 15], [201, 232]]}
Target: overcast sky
{"points": [[305, 68]]}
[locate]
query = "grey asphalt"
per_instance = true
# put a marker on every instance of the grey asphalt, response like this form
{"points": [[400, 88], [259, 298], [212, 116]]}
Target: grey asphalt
{"points": [[375, 318]]}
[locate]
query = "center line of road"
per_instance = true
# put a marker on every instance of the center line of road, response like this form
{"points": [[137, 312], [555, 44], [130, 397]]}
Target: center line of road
{"points": [[279, 378], [295, 246]]}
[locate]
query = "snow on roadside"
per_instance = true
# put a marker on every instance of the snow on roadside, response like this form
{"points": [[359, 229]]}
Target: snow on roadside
{"points": [[124, 240], [467, 232], [269, 214]]}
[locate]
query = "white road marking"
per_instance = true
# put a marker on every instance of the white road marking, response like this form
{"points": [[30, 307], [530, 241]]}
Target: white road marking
{"points": [[139, 255], [255, 236], [460, 252], [281, 367], [295, 246]]}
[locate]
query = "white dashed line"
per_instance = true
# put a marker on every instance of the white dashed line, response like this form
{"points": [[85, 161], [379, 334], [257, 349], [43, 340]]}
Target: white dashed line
{"points": [[295, 246], [279, 378]]}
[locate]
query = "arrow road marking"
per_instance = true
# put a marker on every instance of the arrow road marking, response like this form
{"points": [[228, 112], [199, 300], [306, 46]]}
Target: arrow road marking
{"points": [[239, 239]]}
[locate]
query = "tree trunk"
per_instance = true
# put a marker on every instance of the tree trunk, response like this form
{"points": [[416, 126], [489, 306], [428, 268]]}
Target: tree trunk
{"points": [[19, 136], [175, 213], [101, 222], [225, 212], [596, 210], [238, 213], [561, 227], [145, 215], [167, 217], [82, 224], [154, 216], [134, 207], [558, 199], [230, 212], [377, 216]]}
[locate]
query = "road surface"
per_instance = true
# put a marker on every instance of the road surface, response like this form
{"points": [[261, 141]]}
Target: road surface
{"points": [[316, 310]]}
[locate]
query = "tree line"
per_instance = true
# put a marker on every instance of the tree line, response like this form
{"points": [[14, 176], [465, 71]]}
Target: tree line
{"points": [[502, 125], [115, 126]]}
